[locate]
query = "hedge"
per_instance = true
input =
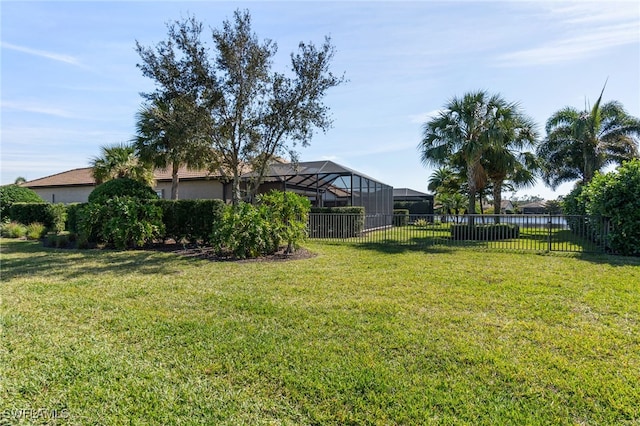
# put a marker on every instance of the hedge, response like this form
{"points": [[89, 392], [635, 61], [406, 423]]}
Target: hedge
{"points": [[52, 216], [190, 220], [10, 194], [492, 232], [400, 217], [340, 222]]}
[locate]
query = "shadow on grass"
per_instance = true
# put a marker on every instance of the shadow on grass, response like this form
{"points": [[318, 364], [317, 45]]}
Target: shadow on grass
{"points": [[609, 259], [26, 258]]}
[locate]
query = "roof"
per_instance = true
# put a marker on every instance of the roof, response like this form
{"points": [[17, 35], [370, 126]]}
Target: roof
{"points": [[311, 174], [534, 205], [75, 177], [312, 168], [321, 174], [84, 177], [407, 192]]}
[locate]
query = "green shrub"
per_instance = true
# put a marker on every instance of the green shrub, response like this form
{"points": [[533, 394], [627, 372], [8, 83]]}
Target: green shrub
{"points": [[13, 230], [52, 216], [492, 232], [10, 194], [191, 220], [612, 202], [245, 232], [289, 214], [63, 240], [121, 222], [336, 222], [421, 223], [122, 187], [35, 231], [400, 217], [73, 216]]}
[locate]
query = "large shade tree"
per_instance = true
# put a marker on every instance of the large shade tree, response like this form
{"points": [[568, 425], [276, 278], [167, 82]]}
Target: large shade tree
{"points": [[582, 142], [255, 114], [263, 114], [120, 161], [466, 130]]}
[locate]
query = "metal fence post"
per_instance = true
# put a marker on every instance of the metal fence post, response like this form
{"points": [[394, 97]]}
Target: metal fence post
{"points": [[549, 233]]}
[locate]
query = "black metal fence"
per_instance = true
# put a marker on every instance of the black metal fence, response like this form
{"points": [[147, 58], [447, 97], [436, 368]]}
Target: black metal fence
{"points": [[510, 232]]}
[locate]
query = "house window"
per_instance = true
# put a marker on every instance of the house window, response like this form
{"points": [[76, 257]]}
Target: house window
{"points": [[160, 193], [53, 198]]}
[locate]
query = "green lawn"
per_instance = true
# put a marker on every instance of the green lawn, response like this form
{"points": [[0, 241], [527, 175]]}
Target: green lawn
{"points": [[355, 335]]}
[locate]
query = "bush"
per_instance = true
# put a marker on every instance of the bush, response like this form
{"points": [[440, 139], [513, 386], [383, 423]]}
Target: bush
{"points": [[63, 240], [13, 230], [121, 222], [245, 231], [52, 216], [613, 200], [342, 222], [289, 214], [10, 194], [400, 217], [122, 187], [191, 220], [73, 211], [35, 231], [421, 223], [492, 232]]}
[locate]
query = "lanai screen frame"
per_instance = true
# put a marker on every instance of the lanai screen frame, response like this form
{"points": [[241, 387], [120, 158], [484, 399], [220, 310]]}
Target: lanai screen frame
{"points": [[331, 185]]}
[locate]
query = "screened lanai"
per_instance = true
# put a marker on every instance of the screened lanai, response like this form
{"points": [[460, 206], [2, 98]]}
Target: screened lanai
{"points": [[328, 184]]}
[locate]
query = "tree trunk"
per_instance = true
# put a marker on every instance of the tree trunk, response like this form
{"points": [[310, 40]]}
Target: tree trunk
{"points": [[497, 200], [174, 181], [471, 210], [235, 190]]}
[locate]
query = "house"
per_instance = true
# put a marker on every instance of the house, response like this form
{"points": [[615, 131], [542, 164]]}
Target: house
{"points": [[536, 207], [325, 183], [506, 207], [74, 186], [415, 201]]}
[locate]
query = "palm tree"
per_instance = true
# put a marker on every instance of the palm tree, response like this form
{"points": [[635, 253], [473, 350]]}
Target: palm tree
{"points": [[444, 179], [464, 129], [505, 160], [170, 134], [580, 143], [120, 161]]}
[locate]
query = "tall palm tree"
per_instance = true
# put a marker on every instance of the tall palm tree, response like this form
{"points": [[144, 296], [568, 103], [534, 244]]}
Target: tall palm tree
{"points": [[580, 143], [464, 129], [504, 159], [170, 134], [120, 161]]}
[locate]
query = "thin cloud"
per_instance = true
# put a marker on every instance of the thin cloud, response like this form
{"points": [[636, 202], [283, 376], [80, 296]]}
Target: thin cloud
{"points": [[573, 48], [67, 59], [583, 29], [38, 109]]}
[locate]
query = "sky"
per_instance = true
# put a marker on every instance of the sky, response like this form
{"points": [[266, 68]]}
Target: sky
{"points": [[69, 81]]}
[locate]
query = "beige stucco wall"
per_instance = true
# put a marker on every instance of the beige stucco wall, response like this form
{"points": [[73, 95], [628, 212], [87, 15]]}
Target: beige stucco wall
{"points": [[192, 190], [187, 190], [69, 194]]}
